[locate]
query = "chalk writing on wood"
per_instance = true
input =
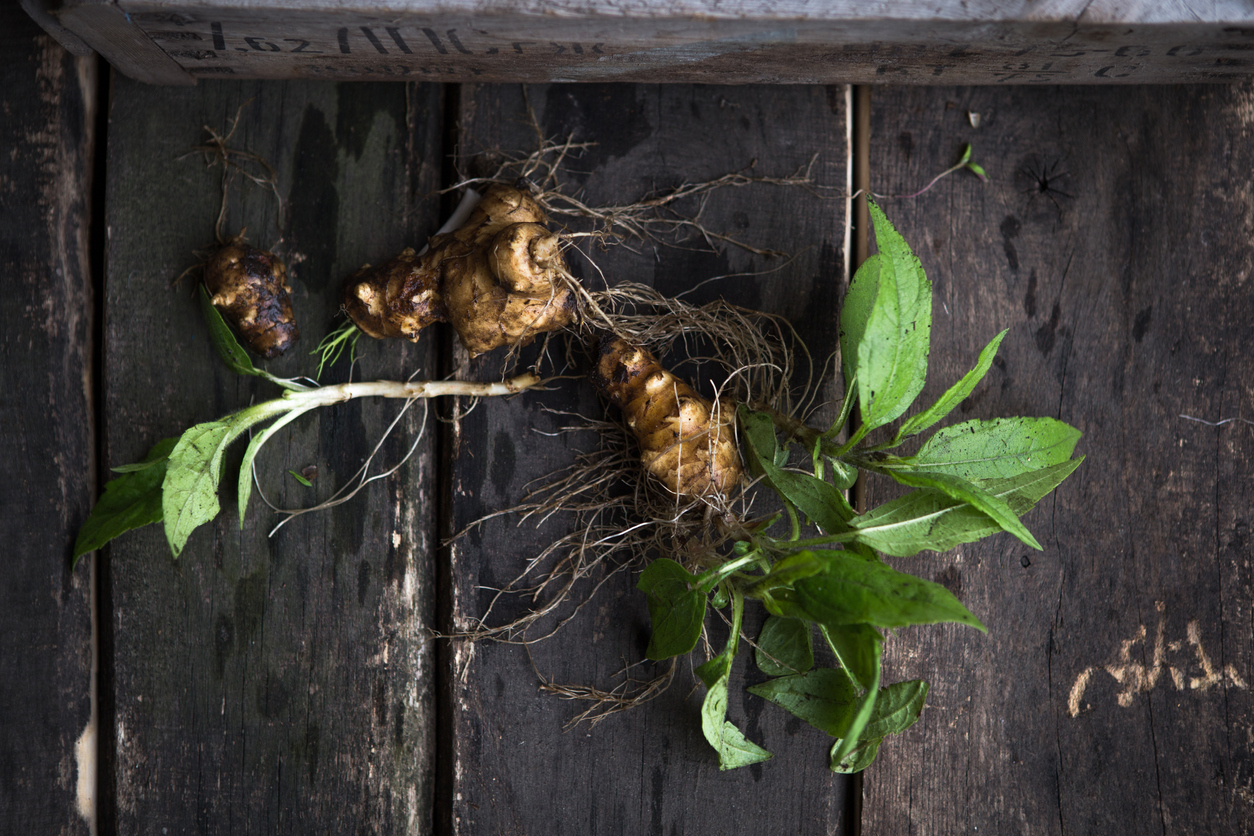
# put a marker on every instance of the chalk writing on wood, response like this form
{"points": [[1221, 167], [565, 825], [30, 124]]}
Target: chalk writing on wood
{"points": [[1136, 677]]}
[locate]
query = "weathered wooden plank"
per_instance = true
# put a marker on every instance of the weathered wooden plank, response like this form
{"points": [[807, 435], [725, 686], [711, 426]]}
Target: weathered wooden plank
{"points": [[511, 769], [1114, 240], [47, 737], [281, 684], [1102, 42]]}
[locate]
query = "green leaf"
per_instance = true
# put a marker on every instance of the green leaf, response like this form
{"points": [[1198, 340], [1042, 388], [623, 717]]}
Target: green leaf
{"points": [[825, 698], [929, 520], [966, 155], [978, 171], [190, 488], [858, 648], [129, 501], [785, 647], [734, 749], [858, 591], [712, 670], [845, 746], [299, 478], [244, 488], [954, 395], [892, 353], [855, 312], [958, 488], [676, 608], [224, 342], [897, 708], [858, 759], [787, 572], [189, 492], [820, 501], [999, 448]]}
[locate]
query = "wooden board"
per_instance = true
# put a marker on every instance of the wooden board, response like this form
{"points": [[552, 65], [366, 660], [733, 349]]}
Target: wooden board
{"points": [[511, 768], [747, 41], [1114, 240], [47, 431], [279, 683]]}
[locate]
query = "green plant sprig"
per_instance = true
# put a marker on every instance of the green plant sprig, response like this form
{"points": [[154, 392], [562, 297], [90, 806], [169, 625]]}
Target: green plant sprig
{"points": [[970, 480], [177, 482]]}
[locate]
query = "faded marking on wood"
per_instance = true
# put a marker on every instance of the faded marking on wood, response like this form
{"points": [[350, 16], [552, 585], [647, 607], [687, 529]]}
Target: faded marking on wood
{"points": [[802, 45], [1136, 677]]}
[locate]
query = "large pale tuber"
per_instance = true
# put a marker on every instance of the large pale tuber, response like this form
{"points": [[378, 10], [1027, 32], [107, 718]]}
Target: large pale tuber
{"points": [[496, 279], [686, 441], [249, 286]]}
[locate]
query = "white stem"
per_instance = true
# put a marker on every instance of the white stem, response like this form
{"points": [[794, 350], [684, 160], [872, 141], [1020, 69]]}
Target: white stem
{"points": [[342, 392]]}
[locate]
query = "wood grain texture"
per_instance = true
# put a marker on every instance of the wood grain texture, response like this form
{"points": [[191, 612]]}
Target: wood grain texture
{"points": [[46, 430], [686, 43], [1114, 240], [511, 768], [281, 684]]}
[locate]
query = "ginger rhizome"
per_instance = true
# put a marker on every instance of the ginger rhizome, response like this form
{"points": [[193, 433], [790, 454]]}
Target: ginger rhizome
{"points": [[686, 441], [499, 279], [249, 287]]}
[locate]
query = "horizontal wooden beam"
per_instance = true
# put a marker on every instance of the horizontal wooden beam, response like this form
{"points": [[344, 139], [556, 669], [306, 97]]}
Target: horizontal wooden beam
{"points": [[745, 41]]}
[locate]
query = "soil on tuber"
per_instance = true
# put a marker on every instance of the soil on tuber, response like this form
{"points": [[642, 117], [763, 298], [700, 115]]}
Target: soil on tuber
{"points": [[249, 287], [499, 279], [687, 442]]}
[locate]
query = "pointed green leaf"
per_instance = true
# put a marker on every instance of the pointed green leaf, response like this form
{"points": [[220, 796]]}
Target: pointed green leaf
{"points": [[818, 500], [892, 354], [858, 648], [857, 591], [825, 698], [712, 670], [978, 171], [897, 708], [224, 342], [785, 573], [245, 487], [966, 155], [190, 488], [845, 746], [855, 312], [785, 647], [189, 492], [676, 608], [734, 749], [929, 520], [861, 756], [999, 448], [958, 488], [955, 394], [129, 501]]}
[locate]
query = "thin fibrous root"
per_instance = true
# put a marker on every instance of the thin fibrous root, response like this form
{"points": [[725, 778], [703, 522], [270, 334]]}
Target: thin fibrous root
{"points": [[627, 694], [234, 161]]}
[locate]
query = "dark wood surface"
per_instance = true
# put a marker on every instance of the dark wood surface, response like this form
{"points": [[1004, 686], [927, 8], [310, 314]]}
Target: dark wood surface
{"points": [[289, 684], [285, 683], [47, 423], [1112, 691], [647, 770]]}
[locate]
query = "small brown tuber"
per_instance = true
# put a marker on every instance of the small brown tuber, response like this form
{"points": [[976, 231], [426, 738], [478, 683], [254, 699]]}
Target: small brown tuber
{"points": [[496, 279], [249, 286], [686, 441]]}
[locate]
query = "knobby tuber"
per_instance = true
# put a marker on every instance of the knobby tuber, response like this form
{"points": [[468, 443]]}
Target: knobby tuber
{"points": [[249, 287], [686, 441], [499, 279]]}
